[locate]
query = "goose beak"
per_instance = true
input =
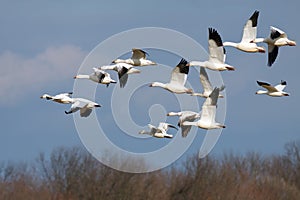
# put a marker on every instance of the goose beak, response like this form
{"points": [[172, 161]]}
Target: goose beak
{"points": [[151, 85], [75, 77], [97, 105], [261, 50], [286, 94], [292, 43]]}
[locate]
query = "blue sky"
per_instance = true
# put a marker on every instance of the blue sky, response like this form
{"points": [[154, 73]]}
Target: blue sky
{"points": [[44, 43]]}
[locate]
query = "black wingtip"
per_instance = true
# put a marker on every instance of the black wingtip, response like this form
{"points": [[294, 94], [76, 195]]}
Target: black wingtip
{"points": [[254, 18], [283, 82], [214, 35], [260, 83], [182, 65], [183, 62]]}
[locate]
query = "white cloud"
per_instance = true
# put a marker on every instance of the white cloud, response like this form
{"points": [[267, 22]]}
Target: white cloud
{"points": [[20, 74]]}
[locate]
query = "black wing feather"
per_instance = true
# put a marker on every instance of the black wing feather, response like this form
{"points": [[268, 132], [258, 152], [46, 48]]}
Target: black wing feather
{"points": [[260, 83], [182, 65], [214, 35], [272, 56], [274, 34], [254, 18]]}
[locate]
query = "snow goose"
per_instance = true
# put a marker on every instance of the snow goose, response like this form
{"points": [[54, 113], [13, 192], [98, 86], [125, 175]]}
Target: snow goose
{"points": [[138, 58], [276, 39], [217, 55], [249, 35], [123, 70], [84, 105], [189, 116], [178, 79], [64, 98], [208, 113], [99, 76], [207, 88], [274, 91], [160, 131]]}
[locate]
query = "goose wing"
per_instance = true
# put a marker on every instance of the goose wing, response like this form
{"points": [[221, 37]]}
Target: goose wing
{"points": [[250, 28], [187, 116], [205, 80], [272, 54], [85, 111], [281, 86], [267, 86], [277, 33], [138, 54], [216, 49], [179, 73]]}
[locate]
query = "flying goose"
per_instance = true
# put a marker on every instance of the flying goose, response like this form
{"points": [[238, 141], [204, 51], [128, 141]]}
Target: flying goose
{"points": [[178, 79], [160, 131], [216, 60], [123, 70], [249, 35], [207, 88], [189, 116], [208, 113], [276, 39], [274, 91], [84, 105], [138, 58], [64, 98], [99, 76]]}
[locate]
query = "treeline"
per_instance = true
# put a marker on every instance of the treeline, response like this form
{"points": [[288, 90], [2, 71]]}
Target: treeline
{"points": [[72, 173]]}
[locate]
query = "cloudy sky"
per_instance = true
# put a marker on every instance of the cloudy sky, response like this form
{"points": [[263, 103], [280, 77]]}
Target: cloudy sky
{"points": [[43, 44]]}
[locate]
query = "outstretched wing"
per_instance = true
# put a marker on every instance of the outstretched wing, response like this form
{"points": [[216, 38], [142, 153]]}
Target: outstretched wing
{"points": [[267, 86], [179, 73], [205, 80], [250, 28], [138, 54], [216, 49], [273, 52], [277, 33], [281, 86]]}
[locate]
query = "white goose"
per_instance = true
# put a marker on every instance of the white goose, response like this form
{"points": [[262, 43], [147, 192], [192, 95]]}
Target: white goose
{"points": [[138, 58], [274, 91], [160, 131], [207, 88], [84, 105], [249, 35], [276, 39], [178, 79], [64, 98], [184, 116], [99, 76], [123, 70], [208, 113], [217, 55]]}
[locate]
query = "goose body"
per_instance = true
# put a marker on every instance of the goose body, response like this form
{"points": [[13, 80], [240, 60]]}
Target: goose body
{"points": [[123, 70], [273, 91], [217, 55], [208, 113], [249, 35], [207, 87], [276, 39], [84, 105], [138, 58], [64, 98], [99, 76], [178, 79], [160, 131], [184, 116]]}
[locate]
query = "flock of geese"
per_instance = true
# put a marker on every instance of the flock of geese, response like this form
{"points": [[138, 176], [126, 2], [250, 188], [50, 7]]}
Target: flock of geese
{"points": [[216, 61]]}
